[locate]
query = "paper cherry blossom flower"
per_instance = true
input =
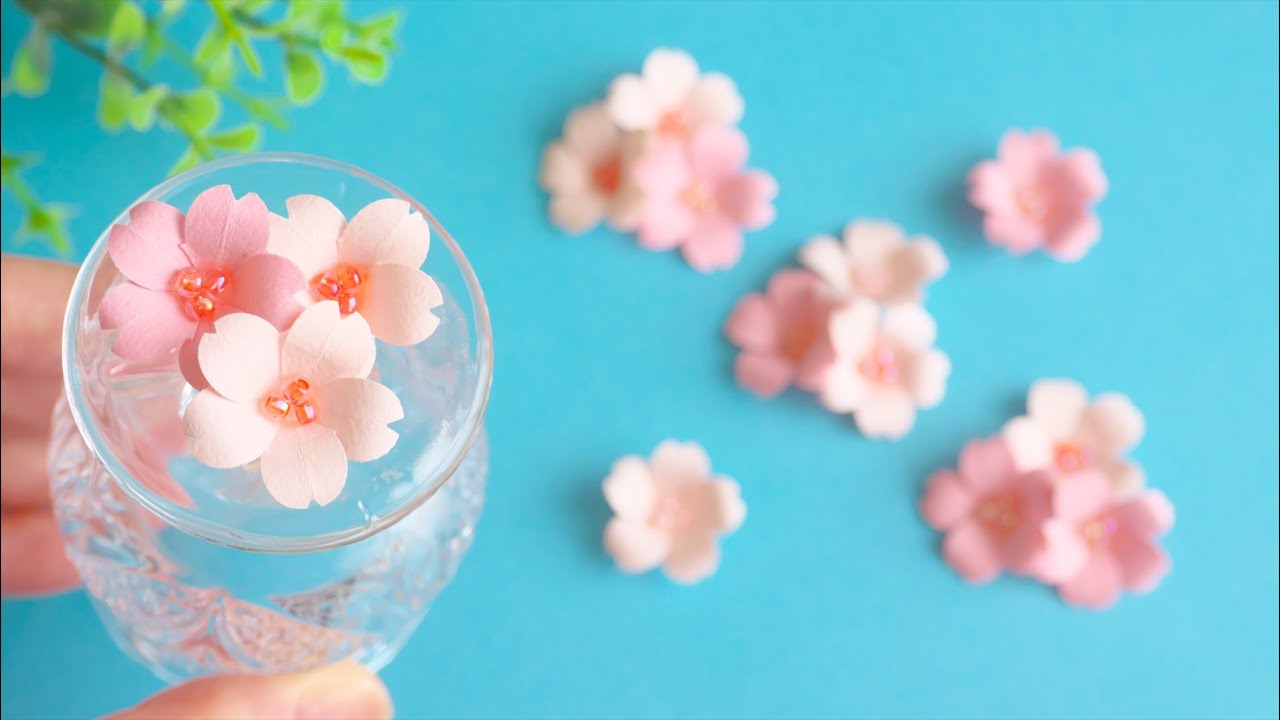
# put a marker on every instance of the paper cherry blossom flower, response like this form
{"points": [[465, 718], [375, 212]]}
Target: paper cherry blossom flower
{"points": [[304, 405], [369, 266], [1065, 432], [1036, 196], [991, 512], [698, 197], [885, 367], [1105, 543], [671, 98], [783, 334], [588, 174], [669, 511], [186, 271], [876, 261]]}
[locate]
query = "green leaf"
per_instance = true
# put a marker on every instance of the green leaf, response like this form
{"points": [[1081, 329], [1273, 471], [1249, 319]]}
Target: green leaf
{"points": [[142, 109], [49, 221], [332, 37], [221, 71], [250, 56], [197, 110], [11, 163], [85, 18], [213, 47], [367, 66], [240, 139], [265, 110], [114, 98], [172, 8], [29, 73], [379, 29], [190, 158], [127, 28], [303, 77]]}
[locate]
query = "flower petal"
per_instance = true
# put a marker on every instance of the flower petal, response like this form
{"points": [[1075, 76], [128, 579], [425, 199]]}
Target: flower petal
{"points": [[1112, 423], [843, 389], [928, 378], [853, 328], [1014, 232], [309, 236], [304, 463], [664, 225], [970, 551], [222, 231], [824, 256], [1081, 496], [1070, 239], [241, 358], [577, 212], [763, 373], [629, 103], [1148, 515], [591, 133], [746, 198], [386, 232], [664, 172], [320, 221], [714, 243], [1127, 478], [623, 210], [885, 412], [563, 170], [151, 322], [669, 75], [676, 463], [946, 500], [1081, 177], [1031, 447], [149, 249], [1142, 564], [717, 153], [227, 434], [991, 189], [265, 285], [629, 488], [693, 558], [322, 345], [1061, 554], [1096, 586], [714, 100], [634, 546], [910, 325], [1057, 405], [189, 359], [397, 302], [1025, 154], [752, 325], [869, 243], [358, 411], [986, 465], [727, 510]]}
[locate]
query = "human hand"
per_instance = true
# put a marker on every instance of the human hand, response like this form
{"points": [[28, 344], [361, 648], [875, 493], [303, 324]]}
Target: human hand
{"points": [[33, 298]]}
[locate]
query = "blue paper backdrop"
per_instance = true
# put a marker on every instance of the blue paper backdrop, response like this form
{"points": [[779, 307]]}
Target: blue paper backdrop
{"points": [[832, 600]]}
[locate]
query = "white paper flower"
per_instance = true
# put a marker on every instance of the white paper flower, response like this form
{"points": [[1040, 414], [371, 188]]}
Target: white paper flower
{"points": [[886, 367], [671, 98], [876, 261], [588, 173], [1065, 432]]}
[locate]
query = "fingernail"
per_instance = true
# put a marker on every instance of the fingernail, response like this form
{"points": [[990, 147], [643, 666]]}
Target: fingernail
{"points": [[345, 691]]}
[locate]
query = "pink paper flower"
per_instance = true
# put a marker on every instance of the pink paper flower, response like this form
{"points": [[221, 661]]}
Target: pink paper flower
{"points": [[1065, 432], [369, 266], [1033, 195], [588, 173], [669, 512], [876, 261], [672, 99], [185, 272], [1103, 544], [783, 334], [885, 367], [303, 405], [991, 512], [698, 197]]}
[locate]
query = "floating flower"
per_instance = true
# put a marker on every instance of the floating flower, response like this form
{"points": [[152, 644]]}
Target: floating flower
{"points": [[783, 334], [876, 261], [369, 266], [1033, 195], [1065, 432], [186, 271], [672, 99], [669, 512], [991, 512], [1105, 543], [588, 174], [885, 367], [698, 197], [304, 405]]}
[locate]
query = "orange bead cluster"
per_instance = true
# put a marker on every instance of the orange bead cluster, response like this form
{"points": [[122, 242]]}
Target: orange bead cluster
{"points": [[881, 365], [201, 291], [292, 400], [1070, 457], [341, 284]]}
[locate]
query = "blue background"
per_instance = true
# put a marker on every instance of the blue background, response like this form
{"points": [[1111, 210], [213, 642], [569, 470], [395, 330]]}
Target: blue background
{"points": [[832, 600]]}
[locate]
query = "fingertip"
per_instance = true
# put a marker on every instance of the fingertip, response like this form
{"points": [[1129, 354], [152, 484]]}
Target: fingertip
{"points": [[32, 561]]}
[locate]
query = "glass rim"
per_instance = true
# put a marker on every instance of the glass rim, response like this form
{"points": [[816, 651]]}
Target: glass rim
{"points": [[189, 521]]}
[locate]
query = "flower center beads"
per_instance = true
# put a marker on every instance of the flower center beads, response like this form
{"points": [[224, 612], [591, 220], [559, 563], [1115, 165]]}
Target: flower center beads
{"points": [[672, 124], [669, 513], [201, 291], [1031, 201], [1070, 457], [698, 198], [607, 176], [341, 284], [881, 365], [1099, 531], [1000, 512], [292, 400]]}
